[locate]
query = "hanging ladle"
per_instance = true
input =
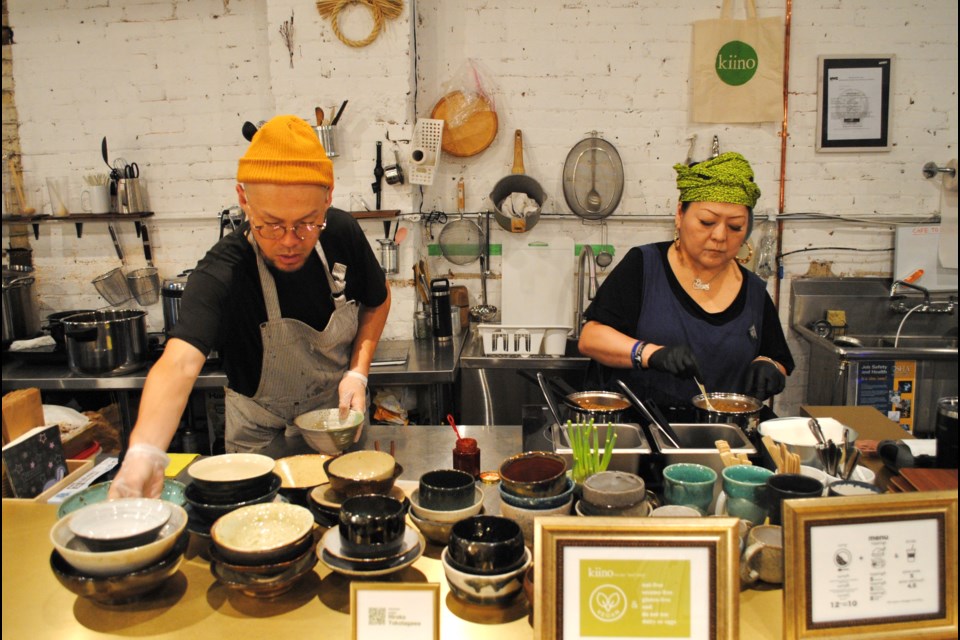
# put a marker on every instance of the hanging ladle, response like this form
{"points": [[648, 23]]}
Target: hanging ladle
{"points": [[594, 201], [604, 257]]}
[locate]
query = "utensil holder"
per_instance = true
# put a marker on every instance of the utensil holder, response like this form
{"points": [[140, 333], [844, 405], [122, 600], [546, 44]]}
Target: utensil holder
{"points": [[328, 138]]}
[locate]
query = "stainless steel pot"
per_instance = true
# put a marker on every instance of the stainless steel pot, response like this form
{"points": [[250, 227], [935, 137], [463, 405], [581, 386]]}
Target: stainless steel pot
{"points": [[55, 325], [729, 408], [109, 342], [20, 317], [599, 406]]}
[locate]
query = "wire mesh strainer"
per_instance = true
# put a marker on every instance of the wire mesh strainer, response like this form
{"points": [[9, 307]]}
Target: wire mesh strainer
{"points": [[461, 241]]}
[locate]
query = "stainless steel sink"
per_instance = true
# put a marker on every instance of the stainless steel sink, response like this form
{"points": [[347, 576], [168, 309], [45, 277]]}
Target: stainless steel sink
{"points": [[867, 345], [909, 342]]}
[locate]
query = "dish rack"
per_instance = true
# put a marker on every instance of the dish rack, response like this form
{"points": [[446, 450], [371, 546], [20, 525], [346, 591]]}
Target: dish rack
{"points": [[508, 340]]}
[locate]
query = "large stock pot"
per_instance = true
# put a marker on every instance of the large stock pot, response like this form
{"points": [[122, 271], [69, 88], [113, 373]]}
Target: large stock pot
{"points": [[108, 342]]}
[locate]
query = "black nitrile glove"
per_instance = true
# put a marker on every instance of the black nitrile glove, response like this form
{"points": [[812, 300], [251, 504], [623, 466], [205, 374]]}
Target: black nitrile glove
{"points": [[678, 361], [764, 379]]}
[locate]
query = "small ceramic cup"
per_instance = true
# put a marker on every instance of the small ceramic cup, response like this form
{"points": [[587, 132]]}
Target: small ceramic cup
{"points": [[763, 558], [446, 490], [789, 486], [745, 486], [372, 526], [690, 485]]}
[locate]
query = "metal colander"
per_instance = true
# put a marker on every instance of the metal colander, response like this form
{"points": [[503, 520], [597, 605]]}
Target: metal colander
{"points": [[461, 241]]}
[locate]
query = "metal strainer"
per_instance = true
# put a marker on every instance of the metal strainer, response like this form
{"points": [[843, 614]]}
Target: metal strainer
{"points": [[461, 241]]}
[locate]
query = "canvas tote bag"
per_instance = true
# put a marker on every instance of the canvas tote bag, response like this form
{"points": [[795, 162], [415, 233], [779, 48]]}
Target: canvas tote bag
{"points": [[737, 73]]}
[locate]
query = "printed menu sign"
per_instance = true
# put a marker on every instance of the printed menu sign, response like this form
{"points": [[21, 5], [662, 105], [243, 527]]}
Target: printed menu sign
{"points": [[635, 598], [652, 592], [875, 571]]}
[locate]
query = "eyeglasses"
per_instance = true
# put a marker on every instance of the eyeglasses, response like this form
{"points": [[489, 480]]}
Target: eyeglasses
{"points": [[277, 231]]}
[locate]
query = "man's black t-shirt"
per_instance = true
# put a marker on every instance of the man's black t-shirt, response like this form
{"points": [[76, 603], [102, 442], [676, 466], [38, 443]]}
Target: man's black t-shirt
{"points": [[223, 307]]}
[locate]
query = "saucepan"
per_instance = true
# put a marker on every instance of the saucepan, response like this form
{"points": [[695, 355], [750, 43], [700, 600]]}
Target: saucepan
{"points": [[728, 408], [517, 182], [581, 406]]}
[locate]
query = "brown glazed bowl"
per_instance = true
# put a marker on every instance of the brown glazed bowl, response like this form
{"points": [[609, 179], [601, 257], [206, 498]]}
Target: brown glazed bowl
{"points": [[534, 474], [349, 486]]}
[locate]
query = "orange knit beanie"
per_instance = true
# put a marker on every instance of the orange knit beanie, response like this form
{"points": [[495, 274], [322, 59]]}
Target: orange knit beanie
{"points": [[286, 150]]}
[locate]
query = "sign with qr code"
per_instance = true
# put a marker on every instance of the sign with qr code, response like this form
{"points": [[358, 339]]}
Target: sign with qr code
{"points": [[402, 611]]}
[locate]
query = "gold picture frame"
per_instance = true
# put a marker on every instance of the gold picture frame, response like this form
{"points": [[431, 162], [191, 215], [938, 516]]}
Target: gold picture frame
{"points": [[633, 577], [411, 609], [882, 566]]}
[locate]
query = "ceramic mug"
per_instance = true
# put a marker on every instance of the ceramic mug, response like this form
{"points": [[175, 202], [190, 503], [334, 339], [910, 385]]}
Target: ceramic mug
{"points": [[763, 559], [96, 199], [789, 486], [690, 485], [746, 489]]}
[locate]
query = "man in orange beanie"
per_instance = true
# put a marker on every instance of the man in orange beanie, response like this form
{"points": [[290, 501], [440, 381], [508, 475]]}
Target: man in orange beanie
{"points": [[294, 301]]}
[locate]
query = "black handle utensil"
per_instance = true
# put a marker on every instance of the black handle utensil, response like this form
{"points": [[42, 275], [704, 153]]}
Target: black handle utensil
{"points": [[663, 425]]}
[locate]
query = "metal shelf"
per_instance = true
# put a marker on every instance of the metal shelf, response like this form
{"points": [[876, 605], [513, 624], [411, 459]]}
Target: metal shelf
{"points": [[77, 219]]}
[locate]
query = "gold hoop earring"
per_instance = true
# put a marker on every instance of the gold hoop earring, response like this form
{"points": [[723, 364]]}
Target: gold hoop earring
{"points": [[749, 254], [676, 238]]}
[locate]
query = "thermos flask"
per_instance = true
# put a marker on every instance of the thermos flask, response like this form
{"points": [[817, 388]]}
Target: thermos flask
{"points": [[440, 309]]}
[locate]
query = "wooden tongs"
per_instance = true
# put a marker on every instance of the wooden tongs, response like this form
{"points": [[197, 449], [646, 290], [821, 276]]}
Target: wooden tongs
{"points": [[785, 461]]}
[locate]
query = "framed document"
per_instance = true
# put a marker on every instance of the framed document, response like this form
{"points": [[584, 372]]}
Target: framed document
{"points": [[395, 610], [636, 578], [853, 103], [873, 566]]}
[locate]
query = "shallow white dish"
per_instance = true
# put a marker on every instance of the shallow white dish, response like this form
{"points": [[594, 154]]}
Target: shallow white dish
{"points": [[325, 496], [262, 528], [112, 563], [446, 516], [369, 570], [123, 522]]}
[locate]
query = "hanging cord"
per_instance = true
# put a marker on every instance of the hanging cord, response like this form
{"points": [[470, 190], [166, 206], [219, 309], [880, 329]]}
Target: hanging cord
{"points": [[379, 9]]}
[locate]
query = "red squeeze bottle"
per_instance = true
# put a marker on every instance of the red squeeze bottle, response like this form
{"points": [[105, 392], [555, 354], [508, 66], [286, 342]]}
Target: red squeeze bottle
{"points": [[466, 456]]}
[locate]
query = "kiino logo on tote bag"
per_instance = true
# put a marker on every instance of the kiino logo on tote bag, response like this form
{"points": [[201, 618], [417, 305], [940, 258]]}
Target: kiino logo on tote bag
{"points": [[737, 73]]}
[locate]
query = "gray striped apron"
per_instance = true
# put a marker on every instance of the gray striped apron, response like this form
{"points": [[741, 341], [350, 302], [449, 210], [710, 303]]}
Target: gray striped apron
{"points": [[302, 369]]}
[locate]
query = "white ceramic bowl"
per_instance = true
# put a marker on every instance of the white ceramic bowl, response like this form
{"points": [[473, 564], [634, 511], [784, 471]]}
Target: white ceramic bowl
{"points": [[362, 465], [485, 589], [796, 434], [860, 474], [262, 533], [525, 517], [115, 524], [113, 563], [446, 516], [325, 432], [232, 477]]}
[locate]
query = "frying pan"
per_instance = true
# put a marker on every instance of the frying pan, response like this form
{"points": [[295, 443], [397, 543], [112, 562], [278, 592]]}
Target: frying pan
{"points": [[517, 182]]}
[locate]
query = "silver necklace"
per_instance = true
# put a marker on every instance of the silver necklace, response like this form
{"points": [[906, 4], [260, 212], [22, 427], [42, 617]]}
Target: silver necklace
{"points": [[700, 285]]}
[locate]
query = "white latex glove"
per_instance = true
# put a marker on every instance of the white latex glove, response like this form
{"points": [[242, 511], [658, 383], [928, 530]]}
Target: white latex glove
{"points": [[353, 395], [141, 474]]}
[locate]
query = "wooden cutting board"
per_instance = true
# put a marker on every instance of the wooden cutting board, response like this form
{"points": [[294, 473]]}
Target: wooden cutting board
{"points": [[469, 123], [930, 479]]}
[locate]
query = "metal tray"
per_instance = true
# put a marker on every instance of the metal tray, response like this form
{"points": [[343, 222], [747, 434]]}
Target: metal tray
{"points": [[631, 444]]}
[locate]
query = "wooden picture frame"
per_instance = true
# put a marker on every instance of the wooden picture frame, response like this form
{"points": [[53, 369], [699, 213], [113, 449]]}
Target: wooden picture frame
{"points": [[882, 566], [854, 103], [395, 610], [636, 577]]}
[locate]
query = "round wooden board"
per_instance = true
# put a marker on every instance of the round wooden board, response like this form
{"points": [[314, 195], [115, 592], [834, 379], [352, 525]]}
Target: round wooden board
{"points": [[475, 123]]}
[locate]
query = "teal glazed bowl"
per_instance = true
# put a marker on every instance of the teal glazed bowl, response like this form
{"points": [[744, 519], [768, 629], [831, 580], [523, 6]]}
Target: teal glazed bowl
{"points": [[172, 492]]}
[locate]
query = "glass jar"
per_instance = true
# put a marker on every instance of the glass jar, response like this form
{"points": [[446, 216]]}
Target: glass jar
{"points": [[466, 456]]}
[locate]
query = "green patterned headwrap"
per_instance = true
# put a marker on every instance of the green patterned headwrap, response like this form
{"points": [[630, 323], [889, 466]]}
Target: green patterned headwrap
{"points": [[726, 178]]}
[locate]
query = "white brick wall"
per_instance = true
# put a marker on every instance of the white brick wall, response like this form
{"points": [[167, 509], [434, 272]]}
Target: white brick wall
{"points": [[170, 84]]}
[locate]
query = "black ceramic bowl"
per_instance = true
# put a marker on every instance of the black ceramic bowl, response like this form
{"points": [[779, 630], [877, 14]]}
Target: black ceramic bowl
{"points": [[232, 477], [210, 511], [534, 474], [446, 490], [789, 486], [123, 588], [372, 526], [486, 545]]}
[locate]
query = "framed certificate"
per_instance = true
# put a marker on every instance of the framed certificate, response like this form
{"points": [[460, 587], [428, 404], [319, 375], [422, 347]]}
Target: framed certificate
{"points": [[853, 103], [874, 566], [395, 610], [636, 578]]}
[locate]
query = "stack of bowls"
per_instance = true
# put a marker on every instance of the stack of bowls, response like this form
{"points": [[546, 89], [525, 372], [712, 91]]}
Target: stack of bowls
{"points": [[114, 552], [261, 550], [222, 484], [371, 538], [614, 493], [444, 497], [534, 485], [485, 560], [353, 474]]}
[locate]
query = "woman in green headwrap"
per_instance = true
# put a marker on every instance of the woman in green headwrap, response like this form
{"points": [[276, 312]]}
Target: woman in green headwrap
{"points": [[674, 311]]}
